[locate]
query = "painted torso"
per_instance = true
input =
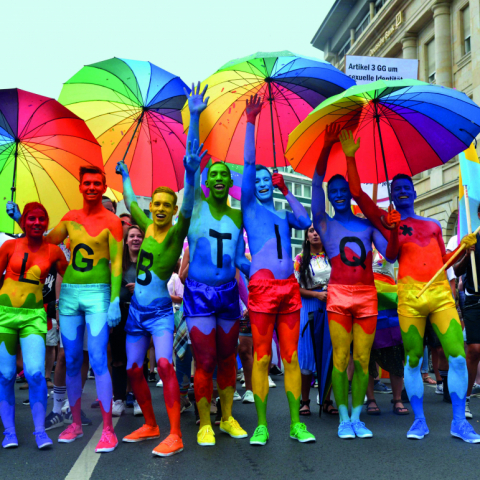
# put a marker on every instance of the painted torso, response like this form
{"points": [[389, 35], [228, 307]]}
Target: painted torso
{"points": [[157, 259], [213, 239], [421, 250], [26, 273], [269, 241]]}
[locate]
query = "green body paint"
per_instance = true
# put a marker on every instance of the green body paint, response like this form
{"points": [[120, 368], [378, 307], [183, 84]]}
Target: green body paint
{"points": [[294, 405], [261, 408], [359, 385], [30, 301], [99, 273], [452, 339]]}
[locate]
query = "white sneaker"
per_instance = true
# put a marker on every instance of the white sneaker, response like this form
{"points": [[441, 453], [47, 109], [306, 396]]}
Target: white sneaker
{"points": [[118, 408], [236, 396], [318, 399], [240, 375], [137, 411], [160, 383], [468, 413], [248, 397], [243, 384], [439, 389], [271, 383], [66, 406]]}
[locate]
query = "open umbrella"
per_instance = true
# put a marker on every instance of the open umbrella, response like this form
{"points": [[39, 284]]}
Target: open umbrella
{"points": [[406, 126], [42, 146], [291, 86], [133, 110]]}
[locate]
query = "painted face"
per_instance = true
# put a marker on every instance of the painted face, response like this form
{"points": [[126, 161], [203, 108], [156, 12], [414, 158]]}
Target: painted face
{"points": [[134, 240], [263, 185], [339, 194], [36, 223], [162, 209], [92, 187], [314, 237], [403, 193], [219, 181]]}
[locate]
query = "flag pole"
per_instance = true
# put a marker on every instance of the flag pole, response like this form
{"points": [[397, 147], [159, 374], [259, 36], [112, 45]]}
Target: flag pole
{"points": [[469, 226]]}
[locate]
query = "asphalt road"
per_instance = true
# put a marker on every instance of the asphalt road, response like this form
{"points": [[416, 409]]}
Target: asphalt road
{"points": [[387, 455]]}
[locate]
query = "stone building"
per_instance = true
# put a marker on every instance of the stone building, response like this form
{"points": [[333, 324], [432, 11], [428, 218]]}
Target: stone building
{"points": [[441, 34]]}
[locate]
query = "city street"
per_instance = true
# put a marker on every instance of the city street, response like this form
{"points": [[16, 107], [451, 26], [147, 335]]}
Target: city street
{"points": [[388, 454]]}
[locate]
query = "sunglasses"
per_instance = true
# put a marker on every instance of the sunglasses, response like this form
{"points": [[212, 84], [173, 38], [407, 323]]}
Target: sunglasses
{"points": [[126, 223]]}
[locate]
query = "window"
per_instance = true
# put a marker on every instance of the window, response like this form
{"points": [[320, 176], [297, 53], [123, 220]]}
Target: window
{"points": [[298, 189], [148, 213], [307, 191], [466, 30], [234, 202], [379, 4], [344, 50], [309, 211], [431, 66], [363, 25], [288, 208], [289, 185], [278, 205], [298, 234], [297, 251]]}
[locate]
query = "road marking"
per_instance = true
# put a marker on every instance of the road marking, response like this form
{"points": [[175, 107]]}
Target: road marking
{"points": [[85, 465]]}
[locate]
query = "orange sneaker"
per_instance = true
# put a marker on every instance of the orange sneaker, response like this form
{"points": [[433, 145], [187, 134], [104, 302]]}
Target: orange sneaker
{"points": [[146, 432], [170, 446]]}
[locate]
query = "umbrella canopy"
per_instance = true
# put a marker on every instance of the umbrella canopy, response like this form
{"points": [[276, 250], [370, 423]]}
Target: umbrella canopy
{"points": [[291, 86], [133, 110], [42, 146], [417, 125]]}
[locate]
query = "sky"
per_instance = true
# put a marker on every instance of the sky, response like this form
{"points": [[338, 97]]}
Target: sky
{"points": [[50, 40]]}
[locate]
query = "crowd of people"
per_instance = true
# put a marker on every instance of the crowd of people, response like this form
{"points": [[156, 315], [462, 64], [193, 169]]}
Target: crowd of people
{"points": [[120, 294]]}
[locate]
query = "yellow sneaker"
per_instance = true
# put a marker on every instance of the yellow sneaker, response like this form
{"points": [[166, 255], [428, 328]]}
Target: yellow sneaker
{"points": [[205, 436], [233, 428]]}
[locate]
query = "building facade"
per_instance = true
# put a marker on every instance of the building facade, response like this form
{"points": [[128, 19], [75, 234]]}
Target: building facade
{"points": [[441, 34]]}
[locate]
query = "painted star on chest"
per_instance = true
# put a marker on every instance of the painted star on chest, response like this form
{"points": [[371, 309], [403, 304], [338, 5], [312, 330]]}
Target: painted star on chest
{"points": [[406, 230]]}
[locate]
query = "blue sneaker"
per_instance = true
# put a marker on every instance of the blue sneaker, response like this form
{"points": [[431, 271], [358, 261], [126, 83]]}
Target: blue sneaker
{"points": [[10, 440], [380, 387], [418, 429], [53, 420], [130, 400], [68, 418], [42, 439], [361, 431], [345, 430], [464, 431], [85, 419]]}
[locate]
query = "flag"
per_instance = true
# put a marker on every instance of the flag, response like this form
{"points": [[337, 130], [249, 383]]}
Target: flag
{"points": [[469, 176]]}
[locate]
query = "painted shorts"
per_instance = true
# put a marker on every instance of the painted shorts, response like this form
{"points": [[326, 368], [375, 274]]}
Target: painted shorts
{"points": [[274, 296], [23, 321], [358, 301], [84, 299], [150, 320], [201, 300], [437, 297]]}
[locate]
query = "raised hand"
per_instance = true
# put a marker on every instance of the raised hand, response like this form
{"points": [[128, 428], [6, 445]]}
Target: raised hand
{"points": [[393, 217], [253, 108], [13, 211], [197, 102], [279, 182], [349, 145], [469, 240], [331, 134], [121, 169], [193, 156]]}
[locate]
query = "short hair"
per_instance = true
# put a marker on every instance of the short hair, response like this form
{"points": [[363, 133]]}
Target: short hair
{"points": [[28, 208], [166, 190], [336, 177], [92, 169], [262, 167], [402, 176], [108, 199], [221, 163], [125, 215]]}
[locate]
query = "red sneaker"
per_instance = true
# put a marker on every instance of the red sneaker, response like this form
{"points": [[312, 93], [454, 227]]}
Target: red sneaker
{"points": [[170, 446], [146, 432], [108, 441], [71, 433]]}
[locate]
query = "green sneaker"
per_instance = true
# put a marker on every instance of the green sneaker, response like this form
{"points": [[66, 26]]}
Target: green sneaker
{"points": [[299, 432], [260, 436]]}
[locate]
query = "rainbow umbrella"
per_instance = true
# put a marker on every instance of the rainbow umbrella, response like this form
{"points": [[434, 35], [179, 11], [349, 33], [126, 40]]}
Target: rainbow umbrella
{"points": [[42, 146], [292, 85], [406, 126], [133, 110]]}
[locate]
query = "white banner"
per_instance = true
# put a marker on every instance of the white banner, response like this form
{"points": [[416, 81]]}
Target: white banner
{"points": [[370, 69]]}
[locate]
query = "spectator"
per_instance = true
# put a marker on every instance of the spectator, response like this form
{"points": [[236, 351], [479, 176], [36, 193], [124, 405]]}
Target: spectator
{"points": [[127, 222], [109, 204]]}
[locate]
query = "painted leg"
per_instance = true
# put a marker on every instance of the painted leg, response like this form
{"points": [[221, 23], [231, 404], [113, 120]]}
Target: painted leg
{"points": [[341, 334], [8, 370], [203, 336], [73, 328]]}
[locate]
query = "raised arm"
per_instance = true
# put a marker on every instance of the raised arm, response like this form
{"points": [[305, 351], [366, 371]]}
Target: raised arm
{"points": [[241, 261], [115, 244], [254, 106], [298, 218]]}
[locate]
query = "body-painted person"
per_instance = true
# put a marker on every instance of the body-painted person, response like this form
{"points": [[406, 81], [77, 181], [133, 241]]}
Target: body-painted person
{"points": [[352, 297], [27, 262], [89, 297], [274, 293], [417, 242], [211, 299], [151, 312]]}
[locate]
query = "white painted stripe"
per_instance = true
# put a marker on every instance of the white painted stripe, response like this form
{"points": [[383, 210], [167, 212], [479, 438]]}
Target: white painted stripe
{"points": [[85, 465]]}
